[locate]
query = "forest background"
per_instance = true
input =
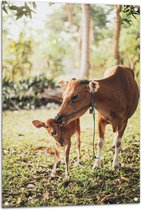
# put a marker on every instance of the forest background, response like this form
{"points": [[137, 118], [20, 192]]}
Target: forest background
{"points": [[44, 43]]}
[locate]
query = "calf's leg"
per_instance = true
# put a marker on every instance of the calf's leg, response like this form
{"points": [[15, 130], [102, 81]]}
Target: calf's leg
{"points": [[56, 160], [66, 159], [77, 133]]}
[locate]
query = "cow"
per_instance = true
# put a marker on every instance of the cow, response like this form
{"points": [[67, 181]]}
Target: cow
{"points": [[115, 97]]}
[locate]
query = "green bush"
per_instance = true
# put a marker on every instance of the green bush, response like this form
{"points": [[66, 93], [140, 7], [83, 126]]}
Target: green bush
{"points": [[24, 95]]}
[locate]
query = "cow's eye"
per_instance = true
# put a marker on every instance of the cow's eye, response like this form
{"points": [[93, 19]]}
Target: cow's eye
{"points": [[46, 127], [75, 97]]}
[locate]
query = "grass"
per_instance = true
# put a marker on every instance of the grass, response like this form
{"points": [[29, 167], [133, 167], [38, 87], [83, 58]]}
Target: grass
{"points": [[27, 162]]}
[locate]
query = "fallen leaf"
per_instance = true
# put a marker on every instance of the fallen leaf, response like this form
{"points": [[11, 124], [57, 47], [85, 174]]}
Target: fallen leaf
{"points": [[43, 166], [106, 197], [46, 195], [30, 186], [18, 201], [124, 178], [20, 134], [40, 148], [30, 165], [5, 152], [117, 181], [50, 150]]}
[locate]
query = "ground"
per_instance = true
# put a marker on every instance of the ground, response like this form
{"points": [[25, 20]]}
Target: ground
{"points": [[27, 160]]}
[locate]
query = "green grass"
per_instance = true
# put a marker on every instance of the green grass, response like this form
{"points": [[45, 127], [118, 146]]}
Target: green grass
{"points": [[26, 165]]}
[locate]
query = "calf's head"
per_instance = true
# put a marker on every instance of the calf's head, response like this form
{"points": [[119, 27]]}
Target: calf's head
{"points": [[77, 98], [50, 125]]}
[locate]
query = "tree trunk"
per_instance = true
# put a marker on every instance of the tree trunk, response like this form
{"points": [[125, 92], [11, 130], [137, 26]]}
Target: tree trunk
{"points": [[117, 33], [84, 73], [69, 11]]}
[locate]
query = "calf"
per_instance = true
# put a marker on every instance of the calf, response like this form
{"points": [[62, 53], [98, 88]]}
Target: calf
{"points": [[62, 136]]}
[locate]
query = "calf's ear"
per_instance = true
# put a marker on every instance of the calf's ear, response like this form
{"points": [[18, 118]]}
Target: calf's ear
{"points": [[38, 124], [93, 85], [63, 84]]}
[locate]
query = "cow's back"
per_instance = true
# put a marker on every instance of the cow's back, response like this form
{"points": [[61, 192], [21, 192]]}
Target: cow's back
{"points": [[122, 80]]}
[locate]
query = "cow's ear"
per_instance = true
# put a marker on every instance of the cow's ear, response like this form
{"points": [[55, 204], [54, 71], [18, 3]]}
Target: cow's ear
{"points": [[93, 85], [38, 124], [63, 84]]}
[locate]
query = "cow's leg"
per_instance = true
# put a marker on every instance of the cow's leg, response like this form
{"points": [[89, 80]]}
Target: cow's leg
{"points": [[66, 159], [101, 131], [56, 160], [117, 143], [77, 133], [114, 141]]}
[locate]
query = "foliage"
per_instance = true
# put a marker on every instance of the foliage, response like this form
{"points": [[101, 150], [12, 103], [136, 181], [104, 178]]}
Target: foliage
{"points": [[62, 39], [27, 165], [16, 58], [99, 17], [55, 49], [25, 10], [24, 95], [129, 12], [101, 56], [60, 17], [130, 50]]}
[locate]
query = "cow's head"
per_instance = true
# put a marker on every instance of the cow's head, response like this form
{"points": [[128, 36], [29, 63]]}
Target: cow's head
{"points": [[77, 98]]}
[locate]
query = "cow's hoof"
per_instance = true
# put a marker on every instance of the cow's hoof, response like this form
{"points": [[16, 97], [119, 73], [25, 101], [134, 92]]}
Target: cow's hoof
{"points": [[96, 165], [52, 175], [67, 178], [116, 166]]}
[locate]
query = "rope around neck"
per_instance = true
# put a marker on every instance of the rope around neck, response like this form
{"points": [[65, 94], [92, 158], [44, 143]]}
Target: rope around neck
{"points": [[94, 156], [92, 111]]}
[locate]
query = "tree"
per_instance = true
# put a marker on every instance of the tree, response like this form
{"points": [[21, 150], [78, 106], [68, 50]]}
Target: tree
{"points": [[128, 12], [117, 33], [123, 15], [26, 10], [69, 11], [130, 45], [85, 65]]}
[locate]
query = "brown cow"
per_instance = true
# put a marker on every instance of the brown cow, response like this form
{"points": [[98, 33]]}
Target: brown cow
{"points": [[62, 136], [115, 97]]}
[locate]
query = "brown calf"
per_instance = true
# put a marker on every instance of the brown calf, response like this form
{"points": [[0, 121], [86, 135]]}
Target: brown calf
{"points": [[62, 136], [115, 97]]}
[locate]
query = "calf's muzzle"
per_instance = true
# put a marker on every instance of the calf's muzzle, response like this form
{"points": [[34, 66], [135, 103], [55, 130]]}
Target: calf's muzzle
{"points": [[53, 132]]}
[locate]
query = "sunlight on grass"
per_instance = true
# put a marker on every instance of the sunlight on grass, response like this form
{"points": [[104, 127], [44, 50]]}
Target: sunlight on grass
{"points": [[27, 165]]}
